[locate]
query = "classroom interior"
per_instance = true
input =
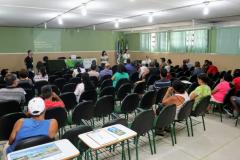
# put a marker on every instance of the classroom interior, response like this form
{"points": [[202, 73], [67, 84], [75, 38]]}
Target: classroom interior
{"points": [[198, 30]]}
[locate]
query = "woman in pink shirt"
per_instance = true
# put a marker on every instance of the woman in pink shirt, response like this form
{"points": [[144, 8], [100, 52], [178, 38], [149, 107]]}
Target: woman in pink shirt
{"points": [[221, 89]]}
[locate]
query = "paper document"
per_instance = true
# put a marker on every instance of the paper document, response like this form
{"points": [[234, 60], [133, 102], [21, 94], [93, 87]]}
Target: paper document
{"points": [[102, 137]]}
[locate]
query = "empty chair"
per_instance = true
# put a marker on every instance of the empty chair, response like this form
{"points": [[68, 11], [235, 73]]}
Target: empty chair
{"points": [[148, 100], [32, 141], [67, 76], [123, 91], [7, 122], [121, 82], [9, 106], [140, 88], [165, 119], [160, 94], [52, 78], [70, 87], [89, 96], [104, 107], [105, 78], [69, 99], [72, 136], [143, 124], [60, 82], [75, 80], [107, 91], [39, 84], [106, 83], [83, 111], [200, 110]]}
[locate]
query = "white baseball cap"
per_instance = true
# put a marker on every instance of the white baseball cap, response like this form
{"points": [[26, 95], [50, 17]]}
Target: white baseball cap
{"points": [[36, 106]]}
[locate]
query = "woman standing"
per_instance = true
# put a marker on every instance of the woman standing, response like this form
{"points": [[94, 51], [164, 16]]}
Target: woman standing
{"points": [[29, 60], [104, 58]]}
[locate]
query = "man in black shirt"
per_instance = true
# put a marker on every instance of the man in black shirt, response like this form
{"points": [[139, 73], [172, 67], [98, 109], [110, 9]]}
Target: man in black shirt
{"points": [[29, 60]]}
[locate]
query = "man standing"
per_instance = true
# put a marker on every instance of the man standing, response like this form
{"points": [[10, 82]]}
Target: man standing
{"points": [[29, 60]]}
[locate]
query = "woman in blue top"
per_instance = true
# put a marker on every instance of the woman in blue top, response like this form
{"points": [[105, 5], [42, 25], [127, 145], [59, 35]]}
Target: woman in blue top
{"points": [[31, 127], [120, 74]]}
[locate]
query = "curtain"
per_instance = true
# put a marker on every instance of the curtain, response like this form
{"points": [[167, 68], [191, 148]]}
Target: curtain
{"points": [[178, 42], [162, 42], [145, 42], [197, 41]]}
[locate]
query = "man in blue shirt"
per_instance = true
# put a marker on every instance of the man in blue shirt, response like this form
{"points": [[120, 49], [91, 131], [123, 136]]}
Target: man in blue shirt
{"points": [[106, 71], [163, 82], [130, 68]]}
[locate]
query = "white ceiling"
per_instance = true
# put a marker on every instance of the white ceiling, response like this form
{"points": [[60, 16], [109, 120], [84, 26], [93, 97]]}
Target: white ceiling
{"points": [[103, 13]]}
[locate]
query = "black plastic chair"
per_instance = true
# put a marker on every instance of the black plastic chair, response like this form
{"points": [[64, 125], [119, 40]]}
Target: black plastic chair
{"points": [[121, 121], [94, 80], [114, 69], [60, 82], [72, 136], [55, 89], [32, 141], [166, 119], [192, 87], [29, 89], [121, 82], [148, 100], [200, 110], [67, 77], [106, 83], [69, 100], [152, 79], [104, 78], [140, 88], [160, 94], [52, 78], [107, 91], [134, 77], [75, 80], [236, 104], [83, 111], [70, 87], [123, 91], [89, 96], [7, 123], [143, 124], [9, 106], [39, 85], [104, 107]]}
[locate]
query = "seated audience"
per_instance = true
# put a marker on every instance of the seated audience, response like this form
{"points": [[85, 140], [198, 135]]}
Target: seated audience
{"points": [[93, 72], [175, 95], [148, 60], [184, 66], [153, 70], [85, 85], [130, 67], [163, 82], [78, 70], [205, 66], [169, 65], [2, 77], [197, 69], [120, 74], [212, 69], [163, 62], [106, 71], [143, 71], [202, 90], [41, 76], [31, 127], [23, 77], [12, 92], [51, 99], [221, 89], [236, 83], [189, 64]]}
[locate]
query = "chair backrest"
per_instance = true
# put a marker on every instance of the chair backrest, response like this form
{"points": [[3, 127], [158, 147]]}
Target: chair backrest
{"points": [[104, 106], [148, 100], [29, 89], [75, 80], [60, 82], [107, 91], [39, 85], [25, 85], [152, 79], [72, 136], [57, 113], [192, 87], [83, 111], [121, 121], [55, 89], [235, 102], [114, 69], [227, 97], [89, 96], [140, 88], [143, 122], [121, 82], [69, 87], [160, 94], [123, 91], [104, 78], [69, 100], [7, 122], [185, 111], [201, 107], [67, 77], [94, 80], [33, 141], [52, 78], [9, 106], [134, 77], [130, 103], [106, 83], [165, 117]]}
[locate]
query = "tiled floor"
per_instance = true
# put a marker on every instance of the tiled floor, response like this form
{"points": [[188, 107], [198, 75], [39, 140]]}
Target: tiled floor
{"points": [[221, 141]]}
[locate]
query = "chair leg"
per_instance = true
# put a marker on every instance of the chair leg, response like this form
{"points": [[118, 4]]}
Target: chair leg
{"points": [[123, 151], [129, 153], [150, 143], [172, 135], [136, 143], [204, 127], [221, 111], [187, 127], [236, 121], [96, 152], [191, 125], [154, 143], [174, 132]]}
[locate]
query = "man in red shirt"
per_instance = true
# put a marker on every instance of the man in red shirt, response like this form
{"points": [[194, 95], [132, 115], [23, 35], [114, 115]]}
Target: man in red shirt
{"points": [[236, 82], [51, 99], [212, 69]]}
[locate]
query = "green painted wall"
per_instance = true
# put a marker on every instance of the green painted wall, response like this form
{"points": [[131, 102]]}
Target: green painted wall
{"points": [[133, 40], [55, 40]]}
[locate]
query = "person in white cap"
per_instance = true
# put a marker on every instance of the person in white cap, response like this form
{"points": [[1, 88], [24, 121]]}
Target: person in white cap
{"points": [[30, 127]]}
